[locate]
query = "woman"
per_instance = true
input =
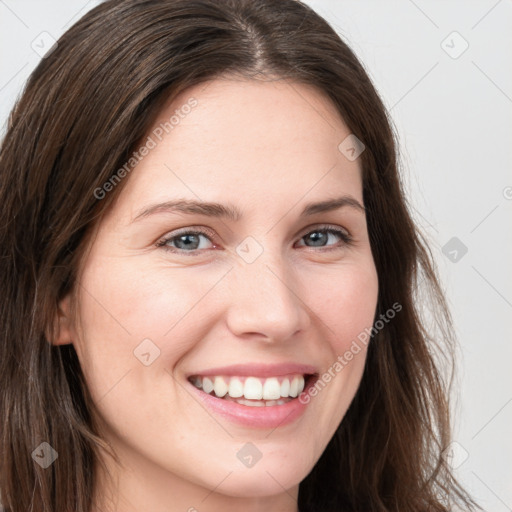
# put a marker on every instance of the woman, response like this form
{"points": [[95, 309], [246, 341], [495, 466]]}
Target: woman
{"points": [[209, 275]]}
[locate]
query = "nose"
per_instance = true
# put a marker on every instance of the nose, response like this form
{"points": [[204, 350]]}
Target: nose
{"points": [[266, 302]]}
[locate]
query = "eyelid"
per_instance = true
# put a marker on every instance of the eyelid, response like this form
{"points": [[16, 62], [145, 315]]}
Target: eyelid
{"points": [[190, 229], [323, 227]]}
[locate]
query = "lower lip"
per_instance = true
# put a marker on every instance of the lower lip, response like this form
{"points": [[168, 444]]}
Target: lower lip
{"points": [[259, 417]]}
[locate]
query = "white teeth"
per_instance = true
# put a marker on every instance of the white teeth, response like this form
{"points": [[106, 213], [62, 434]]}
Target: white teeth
{"points": [[285, 388], [207, 385], [236, 388], [220, 387], [253, 389], [294, 387], [271, 389]]}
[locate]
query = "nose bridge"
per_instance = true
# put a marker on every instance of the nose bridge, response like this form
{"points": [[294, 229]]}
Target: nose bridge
{"points": [[263, 299]]}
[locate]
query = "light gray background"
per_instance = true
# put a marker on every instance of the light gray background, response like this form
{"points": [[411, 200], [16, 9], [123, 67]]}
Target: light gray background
{"points": [[453, 115]]}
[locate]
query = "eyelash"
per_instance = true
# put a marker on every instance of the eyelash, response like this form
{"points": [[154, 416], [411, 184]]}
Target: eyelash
{"points": [[344, 236]]}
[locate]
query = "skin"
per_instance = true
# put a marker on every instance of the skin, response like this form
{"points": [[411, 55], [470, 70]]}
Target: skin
{"points": [[268, 148]]}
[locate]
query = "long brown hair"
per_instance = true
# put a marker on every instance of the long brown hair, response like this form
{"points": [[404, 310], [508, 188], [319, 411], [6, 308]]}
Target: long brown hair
{"points": [[83, 111]]}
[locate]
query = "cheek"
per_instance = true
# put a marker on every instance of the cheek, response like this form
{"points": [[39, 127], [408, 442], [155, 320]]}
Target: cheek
{"points": [[128, 309], [345, 301]]}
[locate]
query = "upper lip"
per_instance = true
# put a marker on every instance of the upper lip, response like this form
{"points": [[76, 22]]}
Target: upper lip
{"points": [[258, 370]]}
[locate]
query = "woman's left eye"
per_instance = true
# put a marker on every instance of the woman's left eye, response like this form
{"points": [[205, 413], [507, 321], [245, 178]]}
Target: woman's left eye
{"points": [[190, 241], [320, 235]]}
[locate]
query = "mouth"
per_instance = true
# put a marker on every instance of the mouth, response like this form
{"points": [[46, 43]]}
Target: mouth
{"points": [[256, 395], [253, 391]]}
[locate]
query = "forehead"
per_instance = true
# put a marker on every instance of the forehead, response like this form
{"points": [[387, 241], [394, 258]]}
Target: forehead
{"points": [[246, 141]]}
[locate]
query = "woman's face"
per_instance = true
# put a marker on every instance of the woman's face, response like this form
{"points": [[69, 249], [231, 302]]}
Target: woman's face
{"points": [[263, 294]]}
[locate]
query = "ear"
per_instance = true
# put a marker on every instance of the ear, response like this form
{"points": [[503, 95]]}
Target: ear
{"points": [[64, 331]]}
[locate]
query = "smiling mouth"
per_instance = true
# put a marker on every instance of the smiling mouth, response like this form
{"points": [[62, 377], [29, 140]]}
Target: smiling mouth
{"points": [[253, 391]]}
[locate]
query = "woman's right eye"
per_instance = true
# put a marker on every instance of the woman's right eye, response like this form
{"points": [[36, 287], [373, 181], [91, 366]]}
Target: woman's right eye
{"points": [[185, 241]]}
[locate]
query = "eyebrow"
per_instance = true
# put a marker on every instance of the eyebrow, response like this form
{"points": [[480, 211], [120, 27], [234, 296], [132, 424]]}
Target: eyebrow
{"points": [[231, 212]]}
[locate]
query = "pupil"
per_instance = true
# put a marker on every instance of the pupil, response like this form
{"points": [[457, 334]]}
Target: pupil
{"points": [[318, 238], [185, 240]]}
